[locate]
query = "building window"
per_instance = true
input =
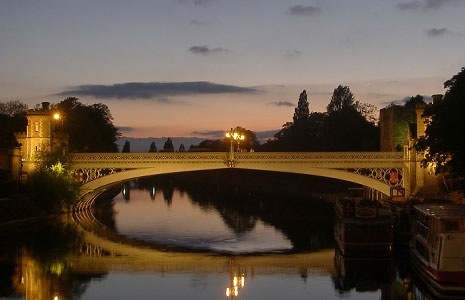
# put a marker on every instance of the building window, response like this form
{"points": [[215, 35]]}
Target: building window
{"points": [[36, 126]]}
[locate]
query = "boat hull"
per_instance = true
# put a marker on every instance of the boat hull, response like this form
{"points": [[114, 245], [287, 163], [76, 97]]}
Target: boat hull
{"points": [[443, 281]]}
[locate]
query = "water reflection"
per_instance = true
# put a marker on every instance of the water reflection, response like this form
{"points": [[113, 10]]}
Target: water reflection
{"points": [[231, 222], [63, 261], [92, 261], [37, 264]]}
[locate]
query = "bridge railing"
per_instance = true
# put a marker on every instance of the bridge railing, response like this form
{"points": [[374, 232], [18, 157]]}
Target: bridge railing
{"points": [[80, 157]]}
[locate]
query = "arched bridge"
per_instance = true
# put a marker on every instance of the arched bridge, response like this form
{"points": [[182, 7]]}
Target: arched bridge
{"points": [[377, 170]]}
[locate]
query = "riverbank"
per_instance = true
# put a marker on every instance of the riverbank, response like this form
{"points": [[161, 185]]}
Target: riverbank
{"points": [[19, 211]]}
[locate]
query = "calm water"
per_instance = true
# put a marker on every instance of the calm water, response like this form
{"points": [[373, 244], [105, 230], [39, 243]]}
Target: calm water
{"points": [[160, 241]]}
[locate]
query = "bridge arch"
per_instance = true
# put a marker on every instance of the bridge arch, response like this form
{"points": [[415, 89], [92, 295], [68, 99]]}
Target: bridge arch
{"points": [[370, 169]]}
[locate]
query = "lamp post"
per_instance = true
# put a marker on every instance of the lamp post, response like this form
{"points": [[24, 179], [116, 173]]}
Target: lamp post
{"points": [[233, 135]]}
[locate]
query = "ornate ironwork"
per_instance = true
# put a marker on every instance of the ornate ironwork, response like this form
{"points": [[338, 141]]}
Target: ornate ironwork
{"points": [[390, 176], [87, 175], [367, 161]]}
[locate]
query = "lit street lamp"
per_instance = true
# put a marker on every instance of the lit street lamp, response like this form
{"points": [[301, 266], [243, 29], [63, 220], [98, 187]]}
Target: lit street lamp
{"points": [[57, 117], [232, 135]]}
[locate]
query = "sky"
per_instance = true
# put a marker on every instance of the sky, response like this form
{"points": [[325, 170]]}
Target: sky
{"points": [[199, 67]]}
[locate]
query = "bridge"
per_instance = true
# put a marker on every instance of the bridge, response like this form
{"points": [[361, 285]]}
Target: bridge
{"points": [[379, 171]]}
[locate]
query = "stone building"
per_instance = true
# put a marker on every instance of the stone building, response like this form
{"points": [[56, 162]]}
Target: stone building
{"points": [[400, 127], [44, 133]]}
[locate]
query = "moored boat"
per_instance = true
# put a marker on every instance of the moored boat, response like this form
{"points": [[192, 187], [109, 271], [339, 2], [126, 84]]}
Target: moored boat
{"points": [[362, 228], [438, 246]]}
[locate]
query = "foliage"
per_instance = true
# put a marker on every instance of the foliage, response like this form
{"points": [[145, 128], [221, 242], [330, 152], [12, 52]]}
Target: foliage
{"points": [[209, 146], [9, 124], [52, 185], [413, 101], [302, 111], [13, 108], [182, 148], [168, 146], [342, 99], [445, 131], [153, 147], [348, 125], [94, 120], [7, 185], [250, 139], [126, 147]]}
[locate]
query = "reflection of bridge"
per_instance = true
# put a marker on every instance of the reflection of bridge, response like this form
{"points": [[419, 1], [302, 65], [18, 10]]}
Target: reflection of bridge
{"points": [[102, 255], [377, 170], [105, 251]]}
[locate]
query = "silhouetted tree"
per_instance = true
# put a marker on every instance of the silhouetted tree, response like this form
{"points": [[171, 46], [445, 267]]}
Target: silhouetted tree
{"points": [[250, 139], [13, 108], [126, 147], [445, 131], [210, 146], [168, 146], [342, 99], [346, 128], [348, 125], [302, 110], [153, 147], [181, 148], [413, 101], [90, 127]]}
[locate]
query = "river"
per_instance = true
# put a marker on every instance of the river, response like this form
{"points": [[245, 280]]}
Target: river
{"points": [[159, 239]]}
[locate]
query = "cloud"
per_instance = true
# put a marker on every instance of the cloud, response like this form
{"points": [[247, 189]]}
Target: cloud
{"points": [[281, 103], [405, 99], [197, 2], [205, 50], [301, 10], [196, 22], [426, 4], [433, 32], [293, 53], [159, 90], [262, 136], [210, 133], [125, 128]]}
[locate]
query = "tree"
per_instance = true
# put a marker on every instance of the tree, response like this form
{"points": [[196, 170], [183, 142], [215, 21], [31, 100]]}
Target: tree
{"points": [[348, 125], [250, 139], [302, 110], [126, 147], [442, 143], [52, 184], [153, 147], [181, 148], [413, 101], [13, 108], [90, 127], [210, 146], [342, 99], [168, 146]]}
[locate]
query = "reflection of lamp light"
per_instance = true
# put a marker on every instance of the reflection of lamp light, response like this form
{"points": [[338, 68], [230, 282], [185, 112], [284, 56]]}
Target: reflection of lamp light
{"points": [[236, 282]]}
